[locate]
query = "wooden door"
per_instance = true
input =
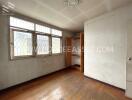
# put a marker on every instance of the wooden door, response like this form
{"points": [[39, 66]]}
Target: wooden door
{"points": [[68, 51], [82, 52]]}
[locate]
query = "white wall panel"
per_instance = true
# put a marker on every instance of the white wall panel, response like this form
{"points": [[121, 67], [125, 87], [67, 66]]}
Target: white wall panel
{"points": [[105, 47]]}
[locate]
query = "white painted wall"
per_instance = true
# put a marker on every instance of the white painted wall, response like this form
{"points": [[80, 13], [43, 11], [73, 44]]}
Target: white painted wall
{"points": [[18, 71], [105, 47]]}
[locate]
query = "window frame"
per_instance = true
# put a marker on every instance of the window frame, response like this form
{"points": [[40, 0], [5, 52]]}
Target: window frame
{"points": [[34, 41], [61, 44], [21, 27], [12, 56], [42, 34], [55, 34]]}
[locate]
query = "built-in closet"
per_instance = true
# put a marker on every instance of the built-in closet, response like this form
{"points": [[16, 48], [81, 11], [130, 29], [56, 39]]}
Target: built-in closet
{"points": [[74, 51]]}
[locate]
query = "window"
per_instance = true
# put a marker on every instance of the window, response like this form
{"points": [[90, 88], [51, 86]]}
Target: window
{"points": [[40, 28], [56, 32], [56, 41], [22, 43], [15, 22], [42, 44], [31, 39], [56, 45]]}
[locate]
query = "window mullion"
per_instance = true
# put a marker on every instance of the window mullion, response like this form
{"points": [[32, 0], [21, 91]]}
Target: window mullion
{"points": [[50, 42], [61, 44], [50, 45], [11, 44], [34, 44]]}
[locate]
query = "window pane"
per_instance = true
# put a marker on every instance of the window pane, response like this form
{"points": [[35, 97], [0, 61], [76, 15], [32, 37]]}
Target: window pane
{"points": [[22, 43], [56, 45], [42, 44], [21, 23], [56, 32], [41, 28]]}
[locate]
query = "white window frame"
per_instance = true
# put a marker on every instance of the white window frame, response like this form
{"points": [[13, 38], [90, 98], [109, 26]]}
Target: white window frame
{"points": [[12, 44], [34, 41], [61, 45], [36, 44]]}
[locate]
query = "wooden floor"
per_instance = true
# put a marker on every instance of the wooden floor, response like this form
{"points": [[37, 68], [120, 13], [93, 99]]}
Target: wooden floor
{"points": [[68, 84]]}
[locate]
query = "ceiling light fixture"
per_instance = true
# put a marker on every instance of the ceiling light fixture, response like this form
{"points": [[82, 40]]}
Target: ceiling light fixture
{"points": [[72, 3]]}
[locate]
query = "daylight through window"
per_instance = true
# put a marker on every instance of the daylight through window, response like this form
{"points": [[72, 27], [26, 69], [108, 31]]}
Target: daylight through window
{"points": [[31, 39]]}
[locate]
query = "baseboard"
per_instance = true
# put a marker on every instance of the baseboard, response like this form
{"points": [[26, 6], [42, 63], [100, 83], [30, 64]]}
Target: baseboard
{"points": [[105, 83]]}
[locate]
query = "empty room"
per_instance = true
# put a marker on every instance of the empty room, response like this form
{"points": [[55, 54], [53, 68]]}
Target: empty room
{"points": [[65, 49]]}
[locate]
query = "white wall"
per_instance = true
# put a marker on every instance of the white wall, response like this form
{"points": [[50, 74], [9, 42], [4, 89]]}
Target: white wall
{"points": [[105, 47], [18, 71]]}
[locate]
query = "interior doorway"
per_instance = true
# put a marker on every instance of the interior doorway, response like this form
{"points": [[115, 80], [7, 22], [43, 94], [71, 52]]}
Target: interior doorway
{"points": [[75, 51]]}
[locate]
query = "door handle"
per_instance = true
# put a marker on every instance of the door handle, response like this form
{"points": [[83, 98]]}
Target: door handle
{"points": [[130, 58]]}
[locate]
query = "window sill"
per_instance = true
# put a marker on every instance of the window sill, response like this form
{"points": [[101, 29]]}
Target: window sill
{"points": [[34, 57], [56, 54], [21, 58]]}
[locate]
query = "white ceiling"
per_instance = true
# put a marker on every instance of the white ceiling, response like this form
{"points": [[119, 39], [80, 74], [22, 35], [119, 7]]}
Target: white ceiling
{"points": [[56, 13]]}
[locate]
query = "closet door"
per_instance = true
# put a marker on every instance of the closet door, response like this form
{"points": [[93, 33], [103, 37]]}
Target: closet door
{"points": [[129, 61], [82, 52], [68, 51]]}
